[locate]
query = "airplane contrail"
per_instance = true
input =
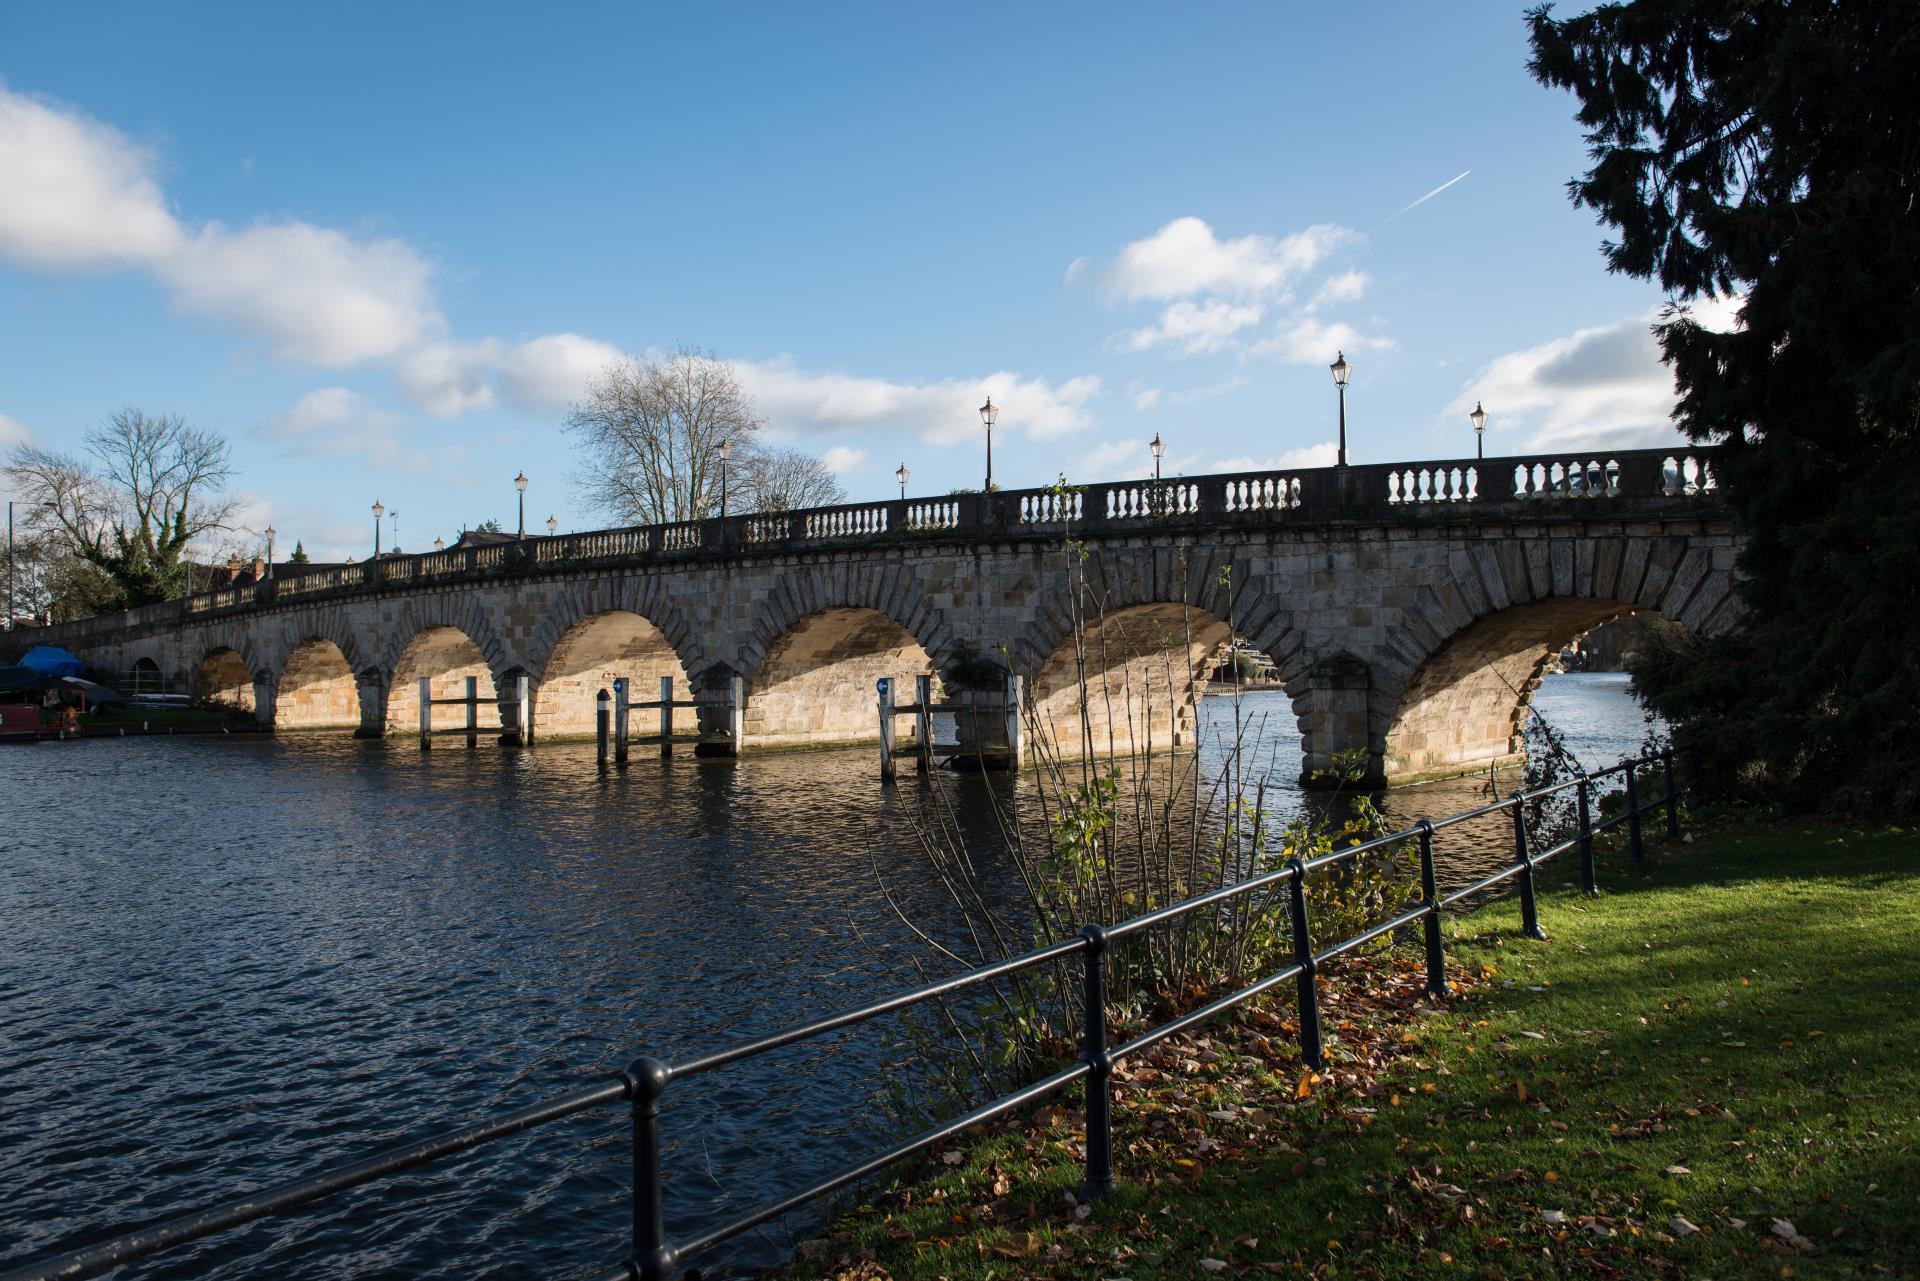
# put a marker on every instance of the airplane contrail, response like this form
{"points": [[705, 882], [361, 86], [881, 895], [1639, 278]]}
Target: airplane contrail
{"points": [[1430, 195]]}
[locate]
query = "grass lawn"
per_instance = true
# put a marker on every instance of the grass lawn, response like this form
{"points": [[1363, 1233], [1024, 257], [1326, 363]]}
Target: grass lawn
{"points": [[1713, 1070]]}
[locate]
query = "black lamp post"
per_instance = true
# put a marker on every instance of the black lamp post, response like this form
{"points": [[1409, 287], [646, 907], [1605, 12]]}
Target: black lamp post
{"points": [[394, 529], [520, 484], [988, 415], [269, 551], [901, 476], [1479, 419], [726, 453], [1341, 372], [553, 526], [1159, 449], [379, 510]]}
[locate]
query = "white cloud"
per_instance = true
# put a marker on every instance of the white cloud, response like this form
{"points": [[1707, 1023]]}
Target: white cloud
{"points": [[76, 194], [551, 372], [1197, 327], [1077, 269], [1323, 454], [448, 379], [13, 432], [1309, 340], [1345, 287], [317, 296], [1148, 398], [841, 459], [339, 420], [1185, 258], [942, 413], [1115, 459], [1603, 387], [542, 375]]}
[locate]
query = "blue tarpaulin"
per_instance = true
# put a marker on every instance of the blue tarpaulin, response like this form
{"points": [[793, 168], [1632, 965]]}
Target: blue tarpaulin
{"points": [[50, 660]]}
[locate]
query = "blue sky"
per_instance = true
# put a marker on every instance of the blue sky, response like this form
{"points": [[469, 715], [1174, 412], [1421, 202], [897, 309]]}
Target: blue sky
{"points": [[380, 246]]}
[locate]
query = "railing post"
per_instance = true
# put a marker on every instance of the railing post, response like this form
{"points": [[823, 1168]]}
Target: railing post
{"points": [[1430, 894], [923, 720], [1099, 1069], [426, 714], [621, 704], [473, 712], [1529, 903], [1589, 881], [1634, 843], [666, 716], [884, 686], [1303, 957], [1673, 796], [602, 723], [652, 1259]]}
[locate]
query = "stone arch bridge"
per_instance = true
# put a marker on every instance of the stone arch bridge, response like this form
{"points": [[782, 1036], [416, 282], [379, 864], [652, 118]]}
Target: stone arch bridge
{"points": [[1410, 609]]}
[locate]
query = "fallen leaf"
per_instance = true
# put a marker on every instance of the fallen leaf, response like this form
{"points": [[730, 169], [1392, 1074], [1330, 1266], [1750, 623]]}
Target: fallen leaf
{"points": [[1679, 1226], [1678, 1169], [1213, 1265]]}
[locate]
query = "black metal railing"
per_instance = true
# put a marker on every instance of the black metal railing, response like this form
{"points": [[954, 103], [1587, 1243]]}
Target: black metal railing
{"points": [[644, 1082]]}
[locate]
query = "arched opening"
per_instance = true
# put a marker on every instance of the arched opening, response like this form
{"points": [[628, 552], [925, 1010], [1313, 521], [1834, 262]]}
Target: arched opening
{"points": [[145, 678], [589, 657], [222, 679], [317, 689], [1466, 708], [446, 656], [1130, 682], [817, 684]]}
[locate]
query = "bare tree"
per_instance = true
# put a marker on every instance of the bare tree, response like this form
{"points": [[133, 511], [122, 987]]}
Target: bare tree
{"points": [[650, 432], [776, 479], [151, 486]]}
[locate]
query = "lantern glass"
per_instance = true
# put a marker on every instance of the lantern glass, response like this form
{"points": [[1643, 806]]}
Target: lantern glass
{"points": [[1341, 369], [520, 482]]}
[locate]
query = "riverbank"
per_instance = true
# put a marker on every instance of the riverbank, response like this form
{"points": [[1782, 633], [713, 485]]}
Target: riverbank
{"points": [[1711, 1070]]}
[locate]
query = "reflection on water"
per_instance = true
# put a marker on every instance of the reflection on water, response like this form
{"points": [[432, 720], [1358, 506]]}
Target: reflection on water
{"points": [[228, 960]]}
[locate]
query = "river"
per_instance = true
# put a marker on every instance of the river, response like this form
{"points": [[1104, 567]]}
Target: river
{"points": [[228, 960]]}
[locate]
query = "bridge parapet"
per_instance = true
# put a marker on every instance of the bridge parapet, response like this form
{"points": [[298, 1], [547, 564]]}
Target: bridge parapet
{"points": [[1612, 483]]}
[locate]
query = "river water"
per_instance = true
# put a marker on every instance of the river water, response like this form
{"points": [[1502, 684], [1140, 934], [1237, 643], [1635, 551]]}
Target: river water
{"points": [[225, 961]]}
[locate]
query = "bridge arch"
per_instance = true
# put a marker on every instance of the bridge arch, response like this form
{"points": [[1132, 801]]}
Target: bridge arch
{"points": [[816, 682], [222, 677], [1451, 690], [1127, 681], [446, 656], [317, 688], [589, 655]]}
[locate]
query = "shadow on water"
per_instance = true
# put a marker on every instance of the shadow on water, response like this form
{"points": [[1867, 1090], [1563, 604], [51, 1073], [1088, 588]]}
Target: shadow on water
{"points": [[228, 961]]}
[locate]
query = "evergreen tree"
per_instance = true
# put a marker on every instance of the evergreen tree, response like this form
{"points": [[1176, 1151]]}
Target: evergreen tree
{"points": [[1771, 149], [299, 556]]}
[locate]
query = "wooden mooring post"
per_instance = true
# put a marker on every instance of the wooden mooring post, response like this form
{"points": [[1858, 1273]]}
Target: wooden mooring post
{"points": [[602, 724], [473, 712], [923, 720], [426, 714], [621, 707], [885, 687], [666, 717]]}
